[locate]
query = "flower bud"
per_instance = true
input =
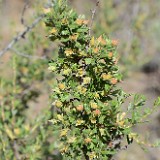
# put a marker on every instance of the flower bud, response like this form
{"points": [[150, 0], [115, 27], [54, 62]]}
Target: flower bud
{"points": [[79, 108], [97, 112], [87, 140], [58, 104], [61, 86], [113, 81]]}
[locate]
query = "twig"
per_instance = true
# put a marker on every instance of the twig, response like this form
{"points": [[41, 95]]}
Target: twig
{"points": [[92, 18], [26, 55], [23, 12], [21, 35], [15, 149]]}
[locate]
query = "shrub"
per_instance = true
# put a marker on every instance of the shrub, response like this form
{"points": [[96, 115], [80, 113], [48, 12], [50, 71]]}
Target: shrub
{"points": [[88, 103]]}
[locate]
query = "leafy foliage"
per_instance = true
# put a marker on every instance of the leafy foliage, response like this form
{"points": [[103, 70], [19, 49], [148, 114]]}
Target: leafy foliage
{"points": [[88, 103]]}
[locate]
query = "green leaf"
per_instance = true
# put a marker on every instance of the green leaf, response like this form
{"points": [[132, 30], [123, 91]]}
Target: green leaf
{"points": [[88, 60], [65, 32], [107, 87]]}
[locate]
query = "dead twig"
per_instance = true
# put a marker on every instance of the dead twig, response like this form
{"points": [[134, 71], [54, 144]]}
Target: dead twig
{"points": [[21, 34], [26, 55], [16, 150], [93, 11], [23, 12]]}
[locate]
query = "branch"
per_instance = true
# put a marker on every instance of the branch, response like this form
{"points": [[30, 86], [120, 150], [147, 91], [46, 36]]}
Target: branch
{"points": [[15, 149], [21, 35], [92, 18], [23, 12], [26, 55]]}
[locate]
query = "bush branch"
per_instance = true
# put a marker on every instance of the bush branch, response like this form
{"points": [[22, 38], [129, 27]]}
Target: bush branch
{"points": [[21, 35], [26, 55], [93, 11], [23, 12]]}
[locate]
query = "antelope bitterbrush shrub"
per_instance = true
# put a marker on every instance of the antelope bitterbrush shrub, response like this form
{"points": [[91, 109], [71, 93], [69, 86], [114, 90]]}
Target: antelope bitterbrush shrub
{"points": [[88, 104]]}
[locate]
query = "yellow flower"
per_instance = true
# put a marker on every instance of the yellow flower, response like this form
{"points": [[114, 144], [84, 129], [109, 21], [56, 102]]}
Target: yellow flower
{"points": [[120, 119], [97, 112], [113, 81], [96, 95], [93, 105], [81, 89], [64, 149], [102, 61], [93, 121], [106, 76], [73, 37], [61, 86], [80, 72], [95, 50], [60, 117], [92, 41], [66, 71], [17, 131], [57, 103], [115, 42], [79, 21], [68, 52], [92, 156], [101, 40], [79, 108], [64, 21], [79, 122], [63, 132], [85, 22], [110, 54], [86, 80], [53, 31], [87, 140], [97, 70]]}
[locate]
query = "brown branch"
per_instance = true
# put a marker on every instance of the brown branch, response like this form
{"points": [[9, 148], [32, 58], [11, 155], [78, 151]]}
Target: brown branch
{"points": [[21, 35]]}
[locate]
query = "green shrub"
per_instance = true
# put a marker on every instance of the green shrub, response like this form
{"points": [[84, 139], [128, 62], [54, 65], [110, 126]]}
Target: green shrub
{"points": [[88, 104]]}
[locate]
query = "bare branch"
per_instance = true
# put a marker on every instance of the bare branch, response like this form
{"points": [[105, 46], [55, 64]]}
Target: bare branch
{"points": [[23, 12], [26, 55], [93, 11], [21, 35]]}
